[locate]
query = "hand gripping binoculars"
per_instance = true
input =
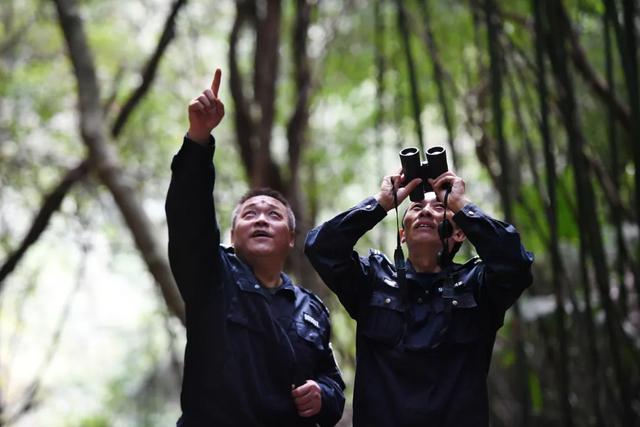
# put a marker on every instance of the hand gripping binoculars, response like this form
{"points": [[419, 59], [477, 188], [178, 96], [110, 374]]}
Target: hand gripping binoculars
{"points": [[434, 166]]}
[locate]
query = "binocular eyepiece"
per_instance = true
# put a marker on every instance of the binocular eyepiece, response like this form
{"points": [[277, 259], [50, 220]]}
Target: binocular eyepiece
{"points": [[434, 166]]}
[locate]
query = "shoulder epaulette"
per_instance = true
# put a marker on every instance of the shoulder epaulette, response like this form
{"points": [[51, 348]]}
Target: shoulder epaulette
{"points": [[316, 298], [473, 261], [378, 254]]}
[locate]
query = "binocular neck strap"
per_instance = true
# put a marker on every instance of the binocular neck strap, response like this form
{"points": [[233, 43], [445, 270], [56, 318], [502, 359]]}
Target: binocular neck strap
{"points": [[444, 230], [398, 255]]}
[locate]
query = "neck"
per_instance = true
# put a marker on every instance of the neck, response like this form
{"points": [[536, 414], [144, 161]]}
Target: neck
{"points": [[424, 259], [267, 273]]}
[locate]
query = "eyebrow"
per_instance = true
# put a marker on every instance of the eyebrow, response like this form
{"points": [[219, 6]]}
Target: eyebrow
{"points": [[423, 203], [253, 204]]}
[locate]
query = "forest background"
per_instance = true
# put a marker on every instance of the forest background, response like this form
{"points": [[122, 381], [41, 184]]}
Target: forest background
{"points": [[536, 101]]}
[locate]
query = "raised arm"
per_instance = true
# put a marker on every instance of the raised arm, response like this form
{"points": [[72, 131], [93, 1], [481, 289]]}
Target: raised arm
{"points": [[193, 231], [329, 246], [506, 264]]}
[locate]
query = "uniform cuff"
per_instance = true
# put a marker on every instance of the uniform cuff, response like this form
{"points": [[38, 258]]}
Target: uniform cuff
{"points": [[371, 204], [468, 212]]}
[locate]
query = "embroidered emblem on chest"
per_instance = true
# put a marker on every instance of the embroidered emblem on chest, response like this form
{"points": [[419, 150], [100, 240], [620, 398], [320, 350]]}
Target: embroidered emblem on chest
{"points": [[390, 282], [310, 319]]}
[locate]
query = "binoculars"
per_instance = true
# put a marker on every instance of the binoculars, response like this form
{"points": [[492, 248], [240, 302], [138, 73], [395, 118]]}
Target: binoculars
{"points": [[434, 166]]}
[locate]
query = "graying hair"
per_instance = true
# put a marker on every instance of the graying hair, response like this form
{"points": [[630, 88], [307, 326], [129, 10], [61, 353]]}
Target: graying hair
{"points": [[269, 192]]}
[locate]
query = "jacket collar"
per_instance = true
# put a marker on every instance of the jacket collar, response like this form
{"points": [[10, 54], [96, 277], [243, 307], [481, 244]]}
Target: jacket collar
{"points": [[247, 281]]}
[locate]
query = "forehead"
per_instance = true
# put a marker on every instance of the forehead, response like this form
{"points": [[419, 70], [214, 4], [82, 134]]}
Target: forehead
{"points": [[429, 198], [262, 202]]}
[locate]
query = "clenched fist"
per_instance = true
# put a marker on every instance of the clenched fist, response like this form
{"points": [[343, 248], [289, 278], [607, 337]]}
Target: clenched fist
{"points": [[308, 398]]}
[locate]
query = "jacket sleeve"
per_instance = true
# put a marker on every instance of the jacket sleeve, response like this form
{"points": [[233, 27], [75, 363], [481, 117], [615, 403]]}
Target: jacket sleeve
{"points": [[505, 271], [329, 248], [194, 237], [330, 381]]}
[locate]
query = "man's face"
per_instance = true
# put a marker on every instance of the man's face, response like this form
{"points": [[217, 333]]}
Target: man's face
{"points": [[262, 229], [420, 224]]}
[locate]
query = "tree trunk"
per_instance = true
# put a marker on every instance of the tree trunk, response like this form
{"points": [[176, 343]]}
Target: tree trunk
{"points": [[380, 64], [264, 88], [627, 49], [522, 373], [297, 138], [614, 157], [403, 28], [551, 209], [588, 215], [438, 76], [103, 158], [53, 201], [254, 131]]}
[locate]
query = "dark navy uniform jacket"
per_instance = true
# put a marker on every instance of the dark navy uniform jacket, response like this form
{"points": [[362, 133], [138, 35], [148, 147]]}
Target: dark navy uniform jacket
{"points": [[422, 359], [245, 347]]}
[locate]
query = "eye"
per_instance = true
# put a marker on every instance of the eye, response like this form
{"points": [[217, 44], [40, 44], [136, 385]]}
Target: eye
{"points": [[275, 214], [248, 214], [416, 208], [438, 208]]}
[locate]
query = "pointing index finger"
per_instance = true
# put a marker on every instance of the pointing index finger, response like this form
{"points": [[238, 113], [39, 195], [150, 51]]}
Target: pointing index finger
{"points": [[215, 85]]}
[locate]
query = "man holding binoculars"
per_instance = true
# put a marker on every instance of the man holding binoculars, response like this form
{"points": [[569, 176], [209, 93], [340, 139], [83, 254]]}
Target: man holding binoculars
{"points": [[425, 333]]}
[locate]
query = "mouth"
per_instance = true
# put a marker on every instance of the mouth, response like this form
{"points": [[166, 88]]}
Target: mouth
{"points": [[424, 226], [261, 233]]}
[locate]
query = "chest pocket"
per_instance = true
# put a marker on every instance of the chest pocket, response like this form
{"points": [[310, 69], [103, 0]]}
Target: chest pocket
{"points": [[245, 313], [383, 319], [466, 322], [442, 320]]}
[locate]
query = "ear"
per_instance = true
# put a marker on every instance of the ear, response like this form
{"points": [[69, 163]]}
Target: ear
{"points": [[403, 237], [292, 239], [232, 237]]}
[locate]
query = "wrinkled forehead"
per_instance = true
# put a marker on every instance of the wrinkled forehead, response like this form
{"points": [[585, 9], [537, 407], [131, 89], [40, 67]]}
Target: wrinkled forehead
{"points": [[263, 202]]}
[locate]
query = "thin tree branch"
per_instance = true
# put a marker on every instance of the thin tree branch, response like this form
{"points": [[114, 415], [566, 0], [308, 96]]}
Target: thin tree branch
{"points": [[30, 396], [590, 75], [10, 41], [582, 65], [54, 200], [50, 205], [150, 69]]}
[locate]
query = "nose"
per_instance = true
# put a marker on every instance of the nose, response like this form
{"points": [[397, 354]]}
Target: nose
{"points": [[426, 211], [261, 219], [431, 211]]}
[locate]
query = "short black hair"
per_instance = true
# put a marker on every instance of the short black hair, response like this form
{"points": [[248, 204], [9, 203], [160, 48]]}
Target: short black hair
{"points": [[269, 192]]}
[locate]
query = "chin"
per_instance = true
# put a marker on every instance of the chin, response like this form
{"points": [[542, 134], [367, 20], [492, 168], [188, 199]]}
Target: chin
{"points": [[424, 239], [260, 251]]}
